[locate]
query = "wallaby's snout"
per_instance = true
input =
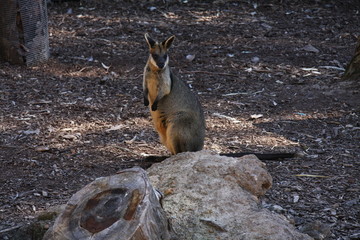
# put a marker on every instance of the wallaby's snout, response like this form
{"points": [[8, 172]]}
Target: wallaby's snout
{"points": [[160, 60]]}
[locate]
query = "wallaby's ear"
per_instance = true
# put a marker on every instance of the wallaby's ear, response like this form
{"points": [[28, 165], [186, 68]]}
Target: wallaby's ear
{"points": [[149, 41], [167, 43]]}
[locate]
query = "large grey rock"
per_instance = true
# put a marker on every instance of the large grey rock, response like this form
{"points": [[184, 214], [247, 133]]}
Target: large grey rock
{"points": [[212, 197]]}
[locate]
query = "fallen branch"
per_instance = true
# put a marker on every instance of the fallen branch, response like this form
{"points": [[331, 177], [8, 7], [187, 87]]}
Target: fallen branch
{"points": [[8, 146], [261, 156], [212, 73], [234, 120], [243, 93], [10, 229], [129, 78], [333, 67]]}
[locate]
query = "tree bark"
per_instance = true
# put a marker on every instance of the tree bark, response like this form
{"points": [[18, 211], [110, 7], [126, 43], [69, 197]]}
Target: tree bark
{"points": [[9, 36], [352, 71], [120, 207], [24, 34]]}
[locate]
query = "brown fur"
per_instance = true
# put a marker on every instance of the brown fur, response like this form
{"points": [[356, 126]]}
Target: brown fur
{"points": [[176, 112]]}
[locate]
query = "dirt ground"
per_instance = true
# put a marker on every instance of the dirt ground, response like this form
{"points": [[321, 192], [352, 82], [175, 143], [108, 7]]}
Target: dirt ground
{"points": [[267, 74]]}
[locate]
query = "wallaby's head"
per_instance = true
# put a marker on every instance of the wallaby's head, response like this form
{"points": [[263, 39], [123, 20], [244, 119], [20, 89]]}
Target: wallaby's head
{"points": [[159, 51]]}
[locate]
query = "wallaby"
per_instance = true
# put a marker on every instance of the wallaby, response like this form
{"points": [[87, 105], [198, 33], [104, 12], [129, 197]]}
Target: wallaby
{"points": [[176, 112]]}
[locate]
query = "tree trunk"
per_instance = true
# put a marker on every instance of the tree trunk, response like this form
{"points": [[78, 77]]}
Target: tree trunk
{"points": [[24, 34], [9, 36], [352, 71], [120, 207]]}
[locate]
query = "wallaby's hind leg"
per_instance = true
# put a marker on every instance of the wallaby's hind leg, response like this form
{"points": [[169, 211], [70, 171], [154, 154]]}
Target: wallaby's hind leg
{"points": [[184, 136]]}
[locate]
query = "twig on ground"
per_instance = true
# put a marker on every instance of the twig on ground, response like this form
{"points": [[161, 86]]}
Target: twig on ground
{"points": [[212, 73], [10, 229]]}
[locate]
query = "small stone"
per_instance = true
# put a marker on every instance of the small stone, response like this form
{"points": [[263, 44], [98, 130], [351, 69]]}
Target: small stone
{"points": [[190, 57], [255, 59], [42, 149], [311, 48], [277, 209]]}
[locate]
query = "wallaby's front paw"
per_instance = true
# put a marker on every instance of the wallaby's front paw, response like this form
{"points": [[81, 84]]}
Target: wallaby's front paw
{"points": [[146, 102], [154, 107]]}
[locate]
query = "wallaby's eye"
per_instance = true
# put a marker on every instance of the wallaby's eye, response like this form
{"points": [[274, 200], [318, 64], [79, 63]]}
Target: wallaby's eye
{"points": [[155, 56]]}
